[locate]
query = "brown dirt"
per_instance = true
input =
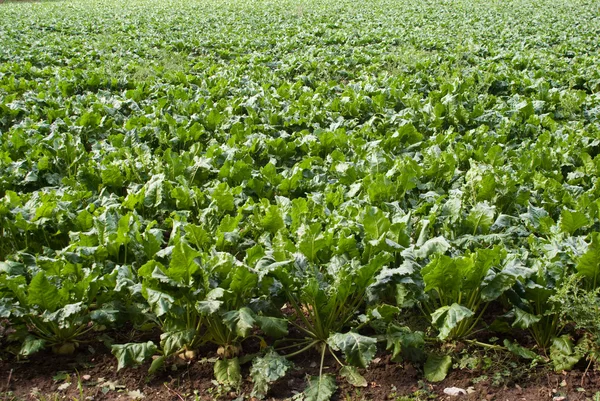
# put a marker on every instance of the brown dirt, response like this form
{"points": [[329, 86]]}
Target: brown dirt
{"points": [[38, 379]]}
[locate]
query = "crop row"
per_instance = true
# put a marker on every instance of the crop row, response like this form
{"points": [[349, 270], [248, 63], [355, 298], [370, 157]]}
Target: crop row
{"points": [[350, 179]]}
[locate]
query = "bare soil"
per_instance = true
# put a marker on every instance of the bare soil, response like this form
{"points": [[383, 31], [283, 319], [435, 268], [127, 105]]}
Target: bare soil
{"points": [[92, 373]]}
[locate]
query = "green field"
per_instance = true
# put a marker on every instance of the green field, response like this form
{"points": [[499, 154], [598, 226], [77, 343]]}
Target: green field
{"points": [[351, 178]]}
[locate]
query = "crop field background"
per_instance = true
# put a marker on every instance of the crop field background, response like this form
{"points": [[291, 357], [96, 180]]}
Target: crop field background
{"points": [[309, 199]]}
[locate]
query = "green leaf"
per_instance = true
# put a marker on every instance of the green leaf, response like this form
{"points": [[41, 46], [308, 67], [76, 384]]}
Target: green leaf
{"points": [[272, 221], [350, 373], [502, 281], [436, 367], [320, 388], [446, 318], [589, 263], [208, 307], [384, 312], [227, 371], [311, 240], [437, 245], [157, 364], [223, 197], [240, 321], [524, 320], [268, 265], [267, 370], [173, 341], [480, 218], [133, 353], [538, 217], [183, 263], [375, 223], [359, 350], [243, 281], [272, 326], [197, 235], [31, 345], [213, 119], [562, 353], [442, 275], [153, 191], [519, 350], [43, 294], [64, 316], [405, 343], [212, 303], [160, 302], [572, 221]]}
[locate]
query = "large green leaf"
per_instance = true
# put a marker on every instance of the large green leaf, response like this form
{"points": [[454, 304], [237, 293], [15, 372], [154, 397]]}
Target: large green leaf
{"points": [[31, 345], [589, 263], [160, 302], [320, 388], [272, 326], [183, 263], [350, 373], [133, 353], [266, 370], [359, 350], [448, 317], [436, 367], [524, 320], [563, 354], [228, 371], [311, 240], [43, 294], [519, 350], [240, 321], [404, 343], [572, 221], [272, 221], [375, 223], [173, 341], [442, 274], [480, 218]]}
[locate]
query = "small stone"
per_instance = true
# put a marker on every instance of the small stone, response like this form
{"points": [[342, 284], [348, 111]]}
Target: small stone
{"points": [[561, 398], [86, 377], [454, 391], [563, 383]]}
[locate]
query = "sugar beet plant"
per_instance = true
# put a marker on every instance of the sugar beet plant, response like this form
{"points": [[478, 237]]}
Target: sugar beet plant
{"points": [[261, 181]]}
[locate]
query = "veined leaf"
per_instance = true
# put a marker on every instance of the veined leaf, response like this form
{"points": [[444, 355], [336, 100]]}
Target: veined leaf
{"points": [[436, 368], [350, 373], [572, 221], [519, 350], [173, 341], [240, 321], [133, 353], [524, 320], [447, 318], [31, 345], [43, 293], [320, 388], [375, 223], [589, 264], [562, 353], [272, 326], [359, 350], [266, 370], [227, 371]]}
